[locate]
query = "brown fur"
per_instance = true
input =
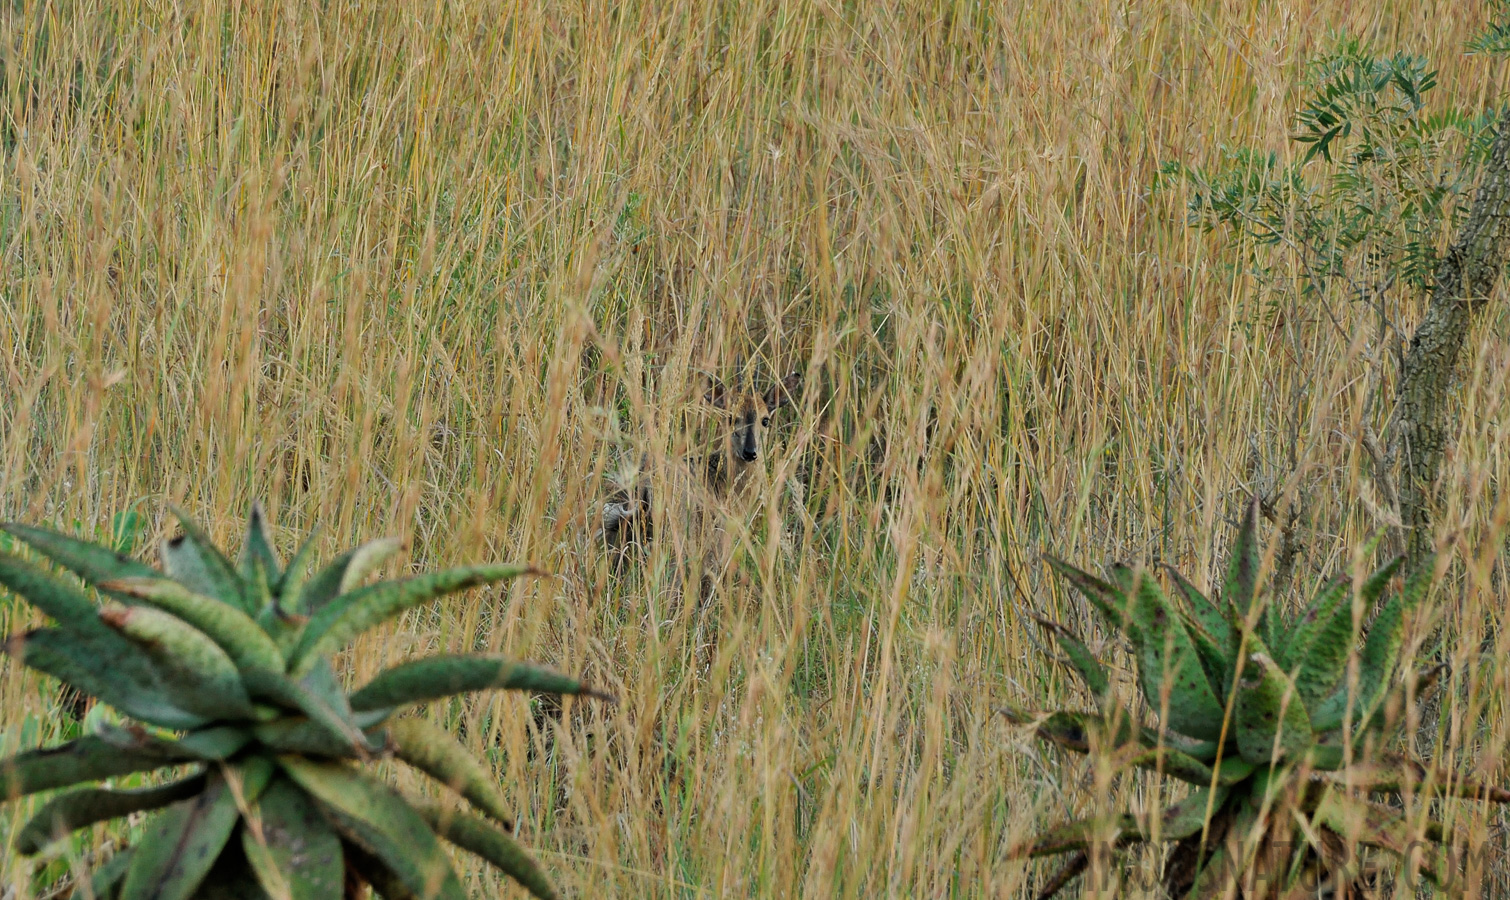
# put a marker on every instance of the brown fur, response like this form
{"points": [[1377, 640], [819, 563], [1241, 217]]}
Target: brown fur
{"points": [[718, 481]]}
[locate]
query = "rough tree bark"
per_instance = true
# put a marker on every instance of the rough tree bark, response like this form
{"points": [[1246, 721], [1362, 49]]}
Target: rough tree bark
{"points": [[1424, 415]]}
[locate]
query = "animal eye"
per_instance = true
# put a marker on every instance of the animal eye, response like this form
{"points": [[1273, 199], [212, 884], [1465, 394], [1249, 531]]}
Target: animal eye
{"points": [[765, 422]]}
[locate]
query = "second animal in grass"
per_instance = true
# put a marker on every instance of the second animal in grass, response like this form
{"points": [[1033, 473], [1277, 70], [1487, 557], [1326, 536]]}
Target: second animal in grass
{"points": [[717, 481]]}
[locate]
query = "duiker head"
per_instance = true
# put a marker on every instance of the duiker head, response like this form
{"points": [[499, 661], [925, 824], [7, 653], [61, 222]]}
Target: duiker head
{"points": [[748, 416]]}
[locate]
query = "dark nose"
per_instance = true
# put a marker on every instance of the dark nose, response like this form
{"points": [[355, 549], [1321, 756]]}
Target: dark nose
{"points": [[748, 454]]}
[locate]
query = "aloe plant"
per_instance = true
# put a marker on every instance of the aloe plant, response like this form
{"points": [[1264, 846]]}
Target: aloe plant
{"points": [[1282, 739], [225, 668]]}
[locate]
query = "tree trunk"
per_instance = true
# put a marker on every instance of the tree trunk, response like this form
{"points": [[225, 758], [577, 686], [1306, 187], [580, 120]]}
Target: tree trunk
{"points": [[1423, 419]]}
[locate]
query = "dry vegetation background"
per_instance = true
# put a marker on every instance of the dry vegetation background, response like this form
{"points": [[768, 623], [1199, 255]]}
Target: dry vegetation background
{"points": [[435, 269]]}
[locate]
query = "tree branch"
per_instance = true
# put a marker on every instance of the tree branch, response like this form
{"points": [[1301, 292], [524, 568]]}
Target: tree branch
{"points": [[1466, 275]]}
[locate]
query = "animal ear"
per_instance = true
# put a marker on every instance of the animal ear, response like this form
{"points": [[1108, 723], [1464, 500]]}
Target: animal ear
{"points": [[785, 392], [717, 394]]}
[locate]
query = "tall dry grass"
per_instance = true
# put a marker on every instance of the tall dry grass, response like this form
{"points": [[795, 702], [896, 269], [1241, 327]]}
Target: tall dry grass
{"points": [[434, 269]]}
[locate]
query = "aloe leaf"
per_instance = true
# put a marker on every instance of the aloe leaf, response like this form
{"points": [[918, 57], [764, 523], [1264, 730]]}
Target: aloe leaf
{"points": [[281, 689], [91, 562], [1080, 658], [62, 601], [1241, 587], [193, 559], [477, 835], [435, 752], [291, 584], [293, 850], [1215, 658], [215, 743], [1377, 663], [181, 844], [384, 882], [1188, 816], [1215, 872], [1320, 625], [1271, 721], [448, 674], [1372, 825], [342, 575], [309, 738], [1074, 731], [1393, 774], [105, 884], [1325, 659], [1118, 831], [1191, 769], [1111, 602], [1319, 610], [376, 818], [1216, 624], [236, 632], [1072, 868], [322, 680], [86, 759], [257, 547], [1123, 576], [259, 591], [105, 666], [1175, 764], [1381, 653], [354, 612], [1167, 660], [71, 811], [187, 658]]}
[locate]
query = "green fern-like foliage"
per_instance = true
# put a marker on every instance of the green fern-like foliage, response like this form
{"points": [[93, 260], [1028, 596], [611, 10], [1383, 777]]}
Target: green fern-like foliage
{"points": [[1284, 743], [1369, 206], [225, 668]]}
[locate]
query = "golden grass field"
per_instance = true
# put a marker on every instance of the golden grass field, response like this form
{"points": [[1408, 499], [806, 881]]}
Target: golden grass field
{"points": [[437, 270]]}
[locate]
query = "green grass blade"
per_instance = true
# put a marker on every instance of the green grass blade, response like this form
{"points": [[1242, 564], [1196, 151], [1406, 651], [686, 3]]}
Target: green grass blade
{"points": [[381, 822], [477, 835], [74, 810], [352, 613]]}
